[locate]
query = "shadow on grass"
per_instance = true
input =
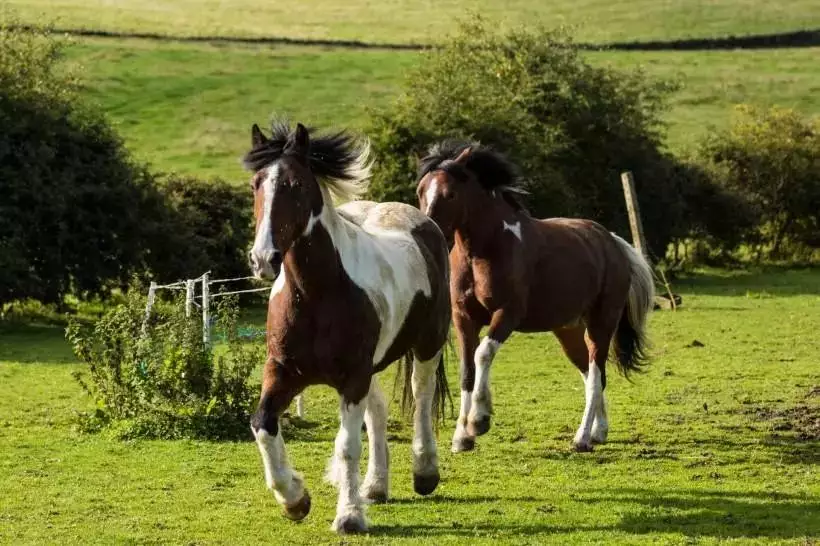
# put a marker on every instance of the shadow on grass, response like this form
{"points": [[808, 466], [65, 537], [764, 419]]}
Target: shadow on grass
{"points": [[717, 513], [693, 513], [30, 343]]}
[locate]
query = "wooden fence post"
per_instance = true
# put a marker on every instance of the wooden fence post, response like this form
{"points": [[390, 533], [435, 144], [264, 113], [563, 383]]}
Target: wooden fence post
{"points": [[634, 211]]}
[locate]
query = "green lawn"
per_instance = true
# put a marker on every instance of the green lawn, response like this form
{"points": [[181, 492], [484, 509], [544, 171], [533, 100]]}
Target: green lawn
{"points": [[714, 443], [189, 107], [413, 21]]}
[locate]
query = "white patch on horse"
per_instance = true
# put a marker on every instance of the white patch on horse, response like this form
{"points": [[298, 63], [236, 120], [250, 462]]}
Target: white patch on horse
{"points": [[593, 390], [515, 229], [287, 485], [382, 259], [263, 249], [345, 468], [376, 483], [461, 425], [482, 400], [430, 196], [310, 223], [278, 285], [425, 453]]}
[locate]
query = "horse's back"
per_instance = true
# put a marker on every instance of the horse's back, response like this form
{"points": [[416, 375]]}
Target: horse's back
{"points": [[410, 254], [575, 262]]}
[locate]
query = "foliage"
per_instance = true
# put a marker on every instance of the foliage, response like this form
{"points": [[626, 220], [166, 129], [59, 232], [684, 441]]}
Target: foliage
{"points": [[165, 382], [75, 209], [572, 127], [771, 159], [207, 227]]}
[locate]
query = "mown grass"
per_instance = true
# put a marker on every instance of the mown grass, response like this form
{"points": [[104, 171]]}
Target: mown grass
{"points": [[391, 21], [715, 443], [188, 108]]}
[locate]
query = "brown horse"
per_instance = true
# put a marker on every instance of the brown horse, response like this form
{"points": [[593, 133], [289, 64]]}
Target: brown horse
{"points": [[356, 288], [512, 272]]}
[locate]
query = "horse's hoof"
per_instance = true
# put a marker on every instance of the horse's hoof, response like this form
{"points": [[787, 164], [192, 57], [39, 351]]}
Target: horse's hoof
{"points": [[598, 438], [465, 443], [375, 496], [424, 485], [299, 509], [582, 447], [479, 427], [350, 524]]}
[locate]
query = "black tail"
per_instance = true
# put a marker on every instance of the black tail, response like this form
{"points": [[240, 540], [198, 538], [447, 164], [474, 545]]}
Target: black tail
{"points": [[441, 396], [629, 347]]}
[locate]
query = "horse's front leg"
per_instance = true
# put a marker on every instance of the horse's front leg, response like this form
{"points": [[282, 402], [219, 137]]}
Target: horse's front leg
{"points": [[501, 326], [286, 484]]}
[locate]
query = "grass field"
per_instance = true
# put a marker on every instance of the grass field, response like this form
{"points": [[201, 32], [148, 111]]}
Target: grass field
{"points": [[715, 443], [188, 107], [391, 21]]}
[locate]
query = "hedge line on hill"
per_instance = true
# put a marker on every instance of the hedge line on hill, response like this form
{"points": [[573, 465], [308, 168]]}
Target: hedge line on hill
{"points": [[79, 216]]}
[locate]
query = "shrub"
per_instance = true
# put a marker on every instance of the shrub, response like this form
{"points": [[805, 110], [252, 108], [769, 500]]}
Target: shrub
{"points": [[207, 227], [573, 128], [771, 159], [74, 206], [165, 382]]}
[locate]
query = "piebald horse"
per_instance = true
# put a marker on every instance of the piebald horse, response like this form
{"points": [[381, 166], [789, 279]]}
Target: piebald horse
{"points": [[512, 272], [356, 288]]}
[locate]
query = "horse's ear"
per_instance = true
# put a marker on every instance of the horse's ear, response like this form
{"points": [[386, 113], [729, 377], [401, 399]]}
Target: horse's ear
{"points": [[464, 155], [299, 141], [257, 137]]}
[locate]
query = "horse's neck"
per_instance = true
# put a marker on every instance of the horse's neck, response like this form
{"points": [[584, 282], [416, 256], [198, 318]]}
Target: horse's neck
{"points": [[312, 264], [484, 225]]}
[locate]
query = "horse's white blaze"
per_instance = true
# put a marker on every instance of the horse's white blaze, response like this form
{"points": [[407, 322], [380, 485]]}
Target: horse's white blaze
{"points": [[593, 390], [383, 260], [279, 476], [430, 196], [345, 464], [481, 391], [376, 481], [425, 454], [263, 248], [515, 229]]}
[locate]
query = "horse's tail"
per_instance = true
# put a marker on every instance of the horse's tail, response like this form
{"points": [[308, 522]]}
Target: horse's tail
{"points": [[631, 344], [441, 395]]}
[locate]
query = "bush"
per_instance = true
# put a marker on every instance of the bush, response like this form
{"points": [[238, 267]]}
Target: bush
{"points": [[573, 128], [165, 382], [771, 160], [75, 209], [208, 227]]}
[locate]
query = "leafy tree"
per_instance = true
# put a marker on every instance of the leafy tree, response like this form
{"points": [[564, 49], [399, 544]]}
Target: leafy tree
{"points": [[570, 126]]}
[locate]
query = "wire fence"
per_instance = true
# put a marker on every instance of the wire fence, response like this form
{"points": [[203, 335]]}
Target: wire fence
{"points": [[203, 303]]}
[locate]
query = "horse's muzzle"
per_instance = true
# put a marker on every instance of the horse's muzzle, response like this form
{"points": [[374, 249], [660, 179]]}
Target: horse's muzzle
{"points": [[266, 265]]}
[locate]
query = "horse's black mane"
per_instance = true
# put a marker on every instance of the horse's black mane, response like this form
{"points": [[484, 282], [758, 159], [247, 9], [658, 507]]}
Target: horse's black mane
{"points": [[492, 170], [335, 156]]}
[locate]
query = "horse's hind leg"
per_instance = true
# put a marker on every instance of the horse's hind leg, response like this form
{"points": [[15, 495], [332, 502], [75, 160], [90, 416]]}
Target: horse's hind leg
{"points": [[600, 329], [348, 450], [425, 453], [376, 481], [467, 333], [575, 347]]}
